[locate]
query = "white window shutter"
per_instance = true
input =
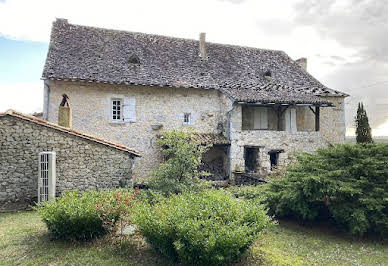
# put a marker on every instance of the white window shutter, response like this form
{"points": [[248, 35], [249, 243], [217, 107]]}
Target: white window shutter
{"points": [[293, 119], [129, 110], [256, 118], [263, 118], [287, 116]]}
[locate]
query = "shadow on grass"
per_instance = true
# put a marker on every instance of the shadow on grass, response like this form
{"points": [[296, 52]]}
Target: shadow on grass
{"points": [[40, 248]]}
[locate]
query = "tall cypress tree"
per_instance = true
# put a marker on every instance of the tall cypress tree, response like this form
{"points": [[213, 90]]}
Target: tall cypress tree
{"points": [[363, 130]]}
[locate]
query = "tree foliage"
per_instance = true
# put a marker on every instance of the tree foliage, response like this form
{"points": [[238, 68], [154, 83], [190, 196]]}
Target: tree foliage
{"points": [[179, 172], [363, 130], [347, 183]]}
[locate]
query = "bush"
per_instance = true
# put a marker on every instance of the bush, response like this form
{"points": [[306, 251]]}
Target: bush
{"points": [[84, 216], [209, 228], [347, 183], [73, 216], [179, 172], [115, 209], [247, 192]]}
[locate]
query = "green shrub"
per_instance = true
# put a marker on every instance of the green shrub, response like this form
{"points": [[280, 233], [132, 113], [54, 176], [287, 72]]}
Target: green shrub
{"points": [[211, 227], [247, 192], [347, 183], [73, 216], [179, 173], [115, 209], [84, 216]]}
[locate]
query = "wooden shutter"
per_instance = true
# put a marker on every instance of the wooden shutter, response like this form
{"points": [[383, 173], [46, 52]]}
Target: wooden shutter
{"points": [[260, 117], [290, 118], [263, 118], [256, 118], [293, 119], [129, 110]]}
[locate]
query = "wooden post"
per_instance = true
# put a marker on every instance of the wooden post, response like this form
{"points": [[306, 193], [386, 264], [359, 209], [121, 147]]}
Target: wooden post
{"points": [[317, 112]]}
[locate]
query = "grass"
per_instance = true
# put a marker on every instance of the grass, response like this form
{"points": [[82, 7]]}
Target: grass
{"points": [[24, 240]]}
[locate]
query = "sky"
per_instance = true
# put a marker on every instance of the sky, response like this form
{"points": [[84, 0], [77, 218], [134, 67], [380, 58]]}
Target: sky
{"points": [[345, 41]]}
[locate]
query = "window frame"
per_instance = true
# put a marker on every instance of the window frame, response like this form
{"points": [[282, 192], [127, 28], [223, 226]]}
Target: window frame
{"points": [[189, 118], [111, 110]]}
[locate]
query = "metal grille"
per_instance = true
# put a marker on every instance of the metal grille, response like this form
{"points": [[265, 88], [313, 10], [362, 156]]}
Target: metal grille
{"points": [[44, 177]]}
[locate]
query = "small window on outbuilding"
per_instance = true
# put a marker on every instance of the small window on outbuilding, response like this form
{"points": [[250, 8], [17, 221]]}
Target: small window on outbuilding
{"points": [[134, 59], [187, 118]]}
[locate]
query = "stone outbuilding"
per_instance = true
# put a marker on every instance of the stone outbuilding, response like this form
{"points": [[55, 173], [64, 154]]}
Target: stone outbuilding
{"points": [[83, 162]]}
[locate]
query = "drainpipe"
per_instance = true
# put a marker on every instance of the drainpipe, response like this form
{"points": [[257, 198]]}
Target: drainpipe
{"points": [[46, 99]]}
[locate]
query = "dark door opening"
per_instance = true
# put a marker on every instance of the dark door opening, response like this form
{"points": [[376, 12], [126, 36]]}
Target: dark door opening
{"points": [[274, 158], [251, 158]]}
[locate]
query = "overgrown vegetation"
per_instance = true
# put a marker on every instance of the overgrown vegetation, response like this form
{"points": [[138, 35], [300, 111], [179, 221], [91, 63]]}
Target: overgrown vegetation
{"points": [[207, 228], [179, 172], [24, 241], [84, 216], [363, 130], [347, 183]]}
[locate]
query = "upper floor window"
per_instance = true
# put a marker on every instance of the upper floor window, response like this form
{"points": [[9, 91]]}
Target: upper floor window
{"points": [[117, 112], [187, 118]]}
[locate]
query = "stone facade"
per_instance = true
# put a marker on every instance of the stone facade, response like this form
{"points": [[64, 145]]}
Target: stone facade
{"points": [[164, 106], [81, 164], [332, 131]]}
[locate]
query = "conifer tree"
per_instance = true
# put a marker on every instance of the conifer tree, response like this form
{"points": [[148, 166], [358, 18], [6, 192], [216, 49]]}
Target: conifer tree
{"points": [[363, 130]]}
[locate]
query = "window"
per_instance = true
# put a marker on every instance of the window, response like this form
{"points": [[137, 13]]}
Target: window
{"points": [[117, 115], [186, 118]]}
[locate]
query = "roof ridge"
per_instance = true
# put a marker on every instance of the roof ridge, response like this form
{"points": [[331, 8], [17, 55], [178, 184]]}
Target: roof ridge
{"points": [[73, 132], [173, 37]]}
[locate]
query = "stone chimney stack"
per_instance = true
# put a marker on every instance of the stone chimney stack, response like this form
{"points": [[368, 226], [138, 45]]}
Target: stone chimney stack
{"points": [[202, 45], [302, 62], [64, 113]]}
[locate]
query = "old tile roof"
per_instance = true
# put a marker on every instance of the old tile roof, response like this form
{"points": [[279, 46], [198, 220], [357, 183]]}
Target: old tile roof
{"points": [[82, 53], [275, 93], [45, 123], [208, 138]]}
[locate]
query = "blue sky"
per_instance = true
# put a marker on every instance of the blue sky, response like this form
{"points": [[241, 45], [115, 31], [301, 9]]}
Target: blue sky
{"points": [[21, 61]]}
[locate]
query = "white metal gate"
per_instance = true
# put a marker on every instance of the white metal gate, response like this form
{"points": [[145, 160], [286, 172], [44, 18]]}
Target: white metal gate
{"points": [[46, 178]]}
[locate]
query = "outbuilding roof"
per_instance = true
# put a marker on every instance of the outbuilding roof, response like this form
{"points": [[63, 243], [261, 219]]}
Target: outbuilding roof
{"points": [[83, 53], [45, 123]]}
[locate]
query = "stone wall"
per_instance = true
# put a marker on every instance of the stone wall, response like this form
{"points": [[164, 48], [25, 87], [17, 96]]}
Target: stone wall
{"points": [[90, 105], [81, 164], [332, 131]]}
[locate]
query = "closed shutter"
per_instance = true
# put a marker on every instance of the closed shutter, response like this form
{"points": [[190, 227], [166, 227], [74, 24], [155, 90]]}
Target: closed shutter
{"points": [[129, 110], [263, 118], [293, 120], [290, 118], [260, 118]]}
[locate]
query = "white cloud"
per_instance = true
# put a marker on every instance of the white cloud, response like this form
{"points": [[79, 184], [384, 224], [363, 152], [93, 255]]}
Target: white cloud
{"points": [[330, 35], [23, 97]]}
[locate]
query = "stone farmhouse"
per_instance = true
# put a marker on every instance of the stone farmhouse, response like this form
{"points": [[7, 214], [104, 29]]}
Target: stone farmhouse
{"points": [[257, 107], [82, 162]]}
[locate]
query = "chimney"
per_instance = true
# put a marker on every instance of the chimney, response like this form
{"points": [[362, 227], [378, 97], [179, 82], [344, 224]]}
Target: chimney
{"points": [[202, 45], [302, 62], [64, 113]]}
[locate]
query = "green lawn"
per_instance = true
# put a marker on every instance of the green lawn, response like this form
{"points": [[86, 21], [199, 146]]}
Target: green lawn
{"points": [[24, 240]]}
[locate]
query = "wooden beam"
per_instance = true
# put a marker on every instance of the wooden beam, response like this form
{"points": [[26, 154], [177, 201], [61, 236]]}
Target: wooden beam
{"points": [[312, 110], [317, 114]]}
